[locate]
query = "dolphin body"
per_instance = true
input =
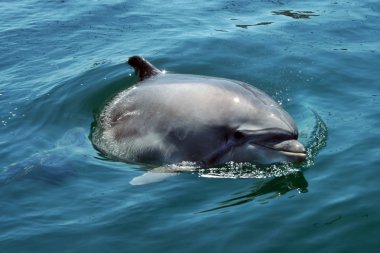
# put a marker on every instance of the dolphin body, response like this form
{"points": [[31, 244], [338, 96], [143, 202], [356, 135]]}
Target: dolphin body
{"points": [[171, 118]]}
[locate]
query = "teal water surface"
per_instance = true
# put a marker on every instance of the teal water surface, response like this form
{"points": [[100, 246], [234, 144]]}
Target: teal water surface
{"points": [[63, 60]]}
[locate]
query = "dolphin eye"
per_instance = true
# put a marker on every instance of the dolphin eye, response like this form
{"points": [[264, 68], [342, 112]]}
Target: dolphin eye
{"points": [[238, 135], [226, 138]]}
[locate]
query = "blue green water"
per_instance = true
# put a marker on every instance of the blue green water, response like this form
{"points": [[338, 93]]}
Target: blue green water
{"points": [[63, 60]]}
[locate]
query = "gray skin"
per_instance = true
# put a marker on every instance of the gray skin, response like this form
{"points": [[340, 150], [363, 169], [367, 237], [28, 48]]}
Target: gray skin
{"points": [[171, 118]]}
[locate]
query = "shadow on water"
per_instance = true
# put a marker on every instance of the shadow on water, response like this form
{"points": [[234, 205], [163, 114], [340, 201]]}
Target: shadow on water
{"points": [[53, 165], [63, 125], [275, 180]]}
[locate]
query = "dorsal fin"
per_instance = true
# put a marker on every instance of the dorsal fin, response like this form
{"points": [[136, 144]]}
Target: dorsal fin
{"points": [[143, 68]]}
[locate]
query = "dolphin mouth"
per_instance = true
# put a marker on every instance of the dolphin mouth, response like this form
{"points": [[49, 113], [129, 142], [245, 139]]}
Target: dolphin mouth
{"points": [[294, 156], [278, 140], [292, 149]]}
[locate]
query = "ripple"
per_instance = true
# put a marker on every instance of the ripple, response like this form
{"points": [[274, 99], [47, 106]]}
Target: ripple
{"points": [[245, 26], [295, 14]]}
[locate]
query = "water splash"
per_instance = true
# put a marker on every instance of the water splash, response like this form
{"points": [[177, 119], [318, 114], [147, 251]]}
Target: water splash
{"points": [[318, 141]]}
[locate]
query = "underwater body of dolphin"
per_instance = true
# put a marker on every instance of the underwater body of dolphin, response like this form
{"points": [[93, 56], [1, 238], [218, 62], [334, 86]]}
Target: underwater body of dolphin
{"points": [[171, 118]]}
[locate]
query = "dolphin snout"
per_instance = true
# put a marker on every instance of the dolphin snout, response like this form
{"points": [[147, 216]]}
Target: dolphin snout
{"points": [[293, 146], [283, 141], [292, 149]]}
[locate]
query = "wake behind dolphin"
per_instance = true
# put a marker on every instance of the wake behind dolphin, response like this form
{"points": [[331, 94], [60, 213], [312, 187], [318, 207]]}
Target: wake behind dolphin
{"points": [[171, 118]]}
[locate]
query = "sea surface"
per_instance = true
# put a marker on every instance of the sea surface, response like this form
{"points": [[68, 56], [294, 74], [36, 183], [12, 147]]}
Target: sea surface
{"points": [[61, 61]]}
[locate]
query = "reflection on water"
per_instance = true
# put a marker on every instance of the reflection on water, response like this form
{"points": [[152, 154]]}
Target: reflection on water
{"points": [[264, 23], [295, 14], [245, 26], [270, 189]]}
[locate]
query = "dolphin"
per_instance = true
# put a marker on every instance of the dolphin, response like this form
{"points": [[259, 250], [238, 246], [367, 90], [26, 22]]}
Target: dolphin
{"points": [[172, 118]]}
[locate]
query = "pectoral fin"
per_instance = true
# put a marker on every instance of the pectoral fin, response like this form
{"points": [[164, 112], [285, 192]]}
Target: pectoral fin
{"points": [[151, 177]]}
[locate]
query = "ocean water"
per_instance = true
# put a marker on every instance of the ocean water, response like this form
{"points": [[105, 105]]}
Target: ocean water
{"points": [[63, 60]]}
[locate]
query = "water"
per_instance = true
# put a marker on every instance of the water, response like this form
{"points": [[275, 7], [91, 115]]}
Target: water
{"points": [[63, 60]]}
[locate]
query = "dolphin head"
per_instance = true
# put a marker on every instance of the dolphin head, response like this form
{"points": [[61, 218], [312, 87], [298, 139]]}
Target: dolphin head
{"points": [[265, 145], [260, 131], [268, 145]]}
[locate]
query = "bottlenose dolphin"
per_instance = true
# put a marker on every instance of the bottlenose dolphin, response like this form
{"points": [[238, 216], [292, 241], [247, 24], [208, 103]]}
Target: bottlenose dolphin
{"points": [[171, 118]]}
